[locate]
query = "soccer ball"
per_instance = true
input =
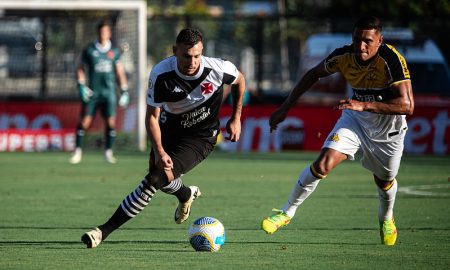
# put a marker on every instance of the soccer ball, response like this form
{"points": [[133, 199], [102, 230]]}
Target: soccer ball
{"points": [[206, 234]]}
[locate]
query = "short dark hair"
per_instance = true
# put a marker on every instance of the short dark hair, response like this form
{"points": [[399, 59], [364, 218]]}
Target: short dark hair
{"points": [[368, 22], [189, 36], [102, 24]]}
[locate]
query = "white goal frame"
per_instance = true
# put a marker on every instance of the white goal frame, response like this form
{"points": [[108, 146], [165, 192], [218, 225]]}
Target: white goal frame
{"points": [[138, 5]]}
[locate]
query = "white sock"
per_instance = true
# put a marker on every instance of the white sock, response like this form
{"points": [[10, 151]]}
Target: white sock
{"points": [[387, 200], [173, 186], [305, 185]]}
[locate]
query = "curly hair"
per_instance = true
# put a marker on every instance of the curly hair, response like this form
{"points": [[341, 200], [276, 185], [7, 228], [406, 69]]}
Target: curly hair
{"points": [[189, 36]]}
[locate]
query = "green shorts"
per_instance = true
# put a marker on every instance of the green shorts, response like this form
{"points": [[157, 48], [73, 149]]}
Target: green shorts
{"points": [[105, 102]]}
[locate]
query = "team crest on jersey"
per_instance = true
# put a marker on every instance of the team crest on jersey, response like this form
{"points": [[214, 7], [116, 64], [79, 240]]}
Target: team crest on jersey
{"points": [[332, 63], [371, 76], [110, 54], [334, 137], [207, 88]]}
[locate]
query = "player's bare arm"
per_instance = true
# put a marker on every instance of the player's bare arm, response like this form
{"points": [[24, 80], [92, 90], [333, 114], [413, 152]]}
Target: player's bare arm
{"points": [[402, 103], [162, 159], [120, 73], [234, 123], [311, 77], [81, 74]]}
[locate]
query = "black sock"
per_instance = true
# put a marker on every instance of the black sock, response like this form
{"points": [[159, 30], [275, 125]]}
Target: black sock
{"points": [[80, 132], [132, 205], [117, 219], [183, 194]]}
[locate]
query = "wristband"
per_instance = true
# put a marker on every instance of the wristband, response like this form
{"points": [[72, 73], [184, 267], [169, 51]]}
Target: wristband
{"points": [[124, 88]]}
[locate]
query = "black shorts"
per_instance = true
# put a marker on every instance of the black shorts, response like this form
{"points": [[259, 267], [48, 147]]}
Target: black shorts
{"points": [[186, 152]]}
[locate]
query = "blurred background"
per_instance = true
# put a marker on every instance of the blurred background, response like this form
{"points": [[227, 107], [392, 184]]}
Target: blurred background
{"points": [[272, 42]]}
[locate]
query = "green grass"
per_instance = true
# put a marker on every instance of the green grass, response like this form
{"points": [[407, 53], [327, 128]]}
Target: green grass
{"points": [[47, 204]]}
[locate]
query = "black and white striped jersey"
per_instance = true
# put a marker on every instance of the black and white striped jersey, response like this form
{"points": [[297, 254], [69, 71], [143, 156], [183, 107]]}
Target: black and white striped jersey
{"points": [[190, 105]]}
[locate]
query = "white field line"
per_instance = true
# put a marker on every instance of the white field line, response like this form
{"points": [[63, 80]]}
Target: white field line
{"points": [[424, 190]]}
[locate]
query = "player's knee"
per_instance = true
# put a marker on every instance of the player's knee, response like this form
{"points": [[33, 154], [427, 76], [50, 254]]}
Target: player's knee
{"points": [[86, 123], [327, 160], [322, 166], [157, 178]]}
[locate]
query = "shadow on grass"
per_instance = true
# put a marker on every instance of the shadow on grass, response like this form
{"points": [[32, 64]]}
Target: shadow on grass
{"points": [[228, 229], [79, 245]]}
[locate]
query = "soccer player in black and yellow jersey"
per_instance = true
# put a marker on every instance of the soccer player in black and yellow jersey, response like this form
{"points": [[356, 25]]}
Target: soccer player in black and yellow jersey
{"points": [[372, 121]]}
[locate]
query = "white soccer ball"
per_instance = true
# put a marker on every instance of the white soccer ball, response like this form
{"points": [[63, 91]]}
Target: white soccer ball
{"points": [[206, 234]]}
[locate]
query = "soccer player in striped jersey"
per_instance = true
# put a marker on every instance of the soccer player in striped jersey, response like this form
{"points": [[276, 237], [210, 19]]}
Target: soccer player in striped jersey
{"points": [[185, 92], [372, 121]]}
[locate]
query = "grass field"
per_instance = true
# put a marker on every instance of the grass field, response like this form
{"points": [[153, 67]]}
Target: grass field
{"points": [[47, 204]]}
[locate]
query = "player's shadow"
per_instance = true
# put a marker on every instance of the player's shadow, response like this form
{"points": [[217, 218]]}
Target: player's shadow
{"points": [[138, 245], [181, 245], [87, 228]]}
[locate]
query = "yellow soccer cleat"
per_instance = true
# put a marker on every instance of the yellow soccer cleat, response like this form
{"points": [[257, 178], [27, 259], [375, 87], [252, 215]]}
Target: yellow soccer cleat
{"points": [[184, 209], [273, 223], [388, 232]]}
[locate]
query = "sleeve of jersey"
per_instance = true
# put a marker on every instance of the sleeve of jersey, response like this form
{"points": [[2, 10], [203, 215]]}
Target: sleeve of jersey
{"points": [[117, 55], [397, 65], [332, 63], [230, 73], [151, 90]]}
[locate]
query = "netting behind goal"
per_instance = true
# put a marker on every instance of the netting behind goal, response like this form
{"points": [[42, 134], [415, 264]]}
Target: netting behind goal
{"points": [[40, 48]]}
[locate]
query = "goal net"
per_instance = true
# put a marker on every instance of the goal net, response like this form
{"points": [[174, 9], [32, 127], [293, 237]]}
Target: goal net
{"points": [[40, 47]]}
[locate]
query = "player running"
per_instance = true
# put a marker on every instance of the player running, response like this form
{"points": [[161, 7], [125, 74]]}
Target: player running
{"points": [[101, 60], [372, 121], [184, 97]]}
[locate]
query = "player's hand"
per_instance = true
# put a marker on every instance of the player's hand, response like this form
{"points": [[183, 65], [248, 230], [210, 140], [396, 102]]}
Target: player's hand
{"points": [[277, 117], [350, 104], [233, 128], [164, 161], [85, 92], [124, 99]]}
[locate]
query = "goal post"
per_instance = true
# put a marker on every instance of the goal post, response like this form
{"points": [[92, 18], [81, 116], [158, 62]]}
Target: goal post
{"points": [[56, 81]]}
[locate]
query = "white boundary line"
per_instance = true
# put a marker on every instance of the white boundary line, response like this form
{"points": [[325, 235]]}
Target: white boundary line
{"points": [[422, 190]]}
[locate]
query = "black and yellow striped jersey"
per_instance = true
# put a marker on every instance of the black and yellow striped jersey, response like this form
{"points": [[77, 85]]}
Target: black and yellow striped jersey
{"points": [[371, 82]]}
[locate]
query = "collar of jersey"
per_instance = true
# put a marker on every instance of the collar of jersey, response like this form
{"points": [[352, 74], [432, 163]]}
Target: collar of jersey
{"points": [[101, 48], [185, 77]]}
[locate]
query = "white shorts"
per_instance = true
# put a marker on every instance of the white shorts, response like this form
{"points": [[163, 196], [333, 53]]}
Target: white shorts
{"points": [[382, 158]]}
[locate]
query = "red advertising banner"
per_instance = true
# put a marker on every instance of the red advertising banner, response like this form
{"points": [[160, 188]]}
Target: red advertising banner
{"points": [[305, 128], [50, 115], [28, 140]]}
